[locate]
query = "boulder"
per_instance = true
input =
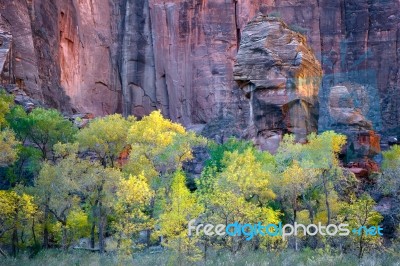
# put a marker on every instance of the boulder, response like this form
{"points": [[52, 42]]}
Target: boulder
{"points": [[21, 98], [363, 169]]}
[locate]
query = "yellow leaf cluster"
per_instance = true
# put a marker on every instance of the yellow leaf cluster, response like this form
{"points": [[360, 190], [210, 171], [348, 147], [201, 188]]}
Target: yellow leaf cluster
{"points": [[8, 147]]}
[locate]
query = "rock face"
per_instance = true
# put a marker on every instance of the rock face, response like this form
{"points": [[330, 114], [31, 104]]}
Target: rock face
{"points": [[195, 45], [108, 56], [347, 114], [5, 45], [24, 66], [281, 76], [87, 70], [61, 53], [343, 112]]}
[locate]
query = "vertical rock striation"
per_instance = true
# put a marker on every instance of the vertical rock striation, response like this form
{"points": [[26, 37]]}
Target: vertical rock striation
{"points": [[88, 73], [62, 53], [5, 47], [136, 61], [24, 63], [108, 56], [195, 45]]}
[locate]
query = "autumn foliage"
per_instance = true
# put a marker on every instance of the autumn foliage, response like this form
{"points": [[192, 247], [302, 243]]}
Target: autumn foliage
{"points": [[61, 185]]}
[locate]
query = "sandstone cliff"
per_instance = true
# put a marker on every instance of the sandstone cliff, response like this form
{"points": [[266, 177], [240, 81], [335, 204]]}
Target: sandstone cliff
{"points": [[108, 56]]}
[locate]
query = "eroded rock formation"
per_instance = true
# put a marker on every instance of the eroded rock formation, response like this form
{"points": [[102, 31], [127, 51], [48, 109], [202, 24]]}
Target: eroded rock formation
{"points": [[281, 76], [349, 107]]}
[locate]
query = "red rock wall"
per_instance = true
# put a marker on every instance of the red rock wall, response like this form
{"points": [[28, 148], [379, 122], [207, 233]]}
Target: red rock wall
{"points": [[88, 74], [178, 55], [62, 53], [25, 70]]}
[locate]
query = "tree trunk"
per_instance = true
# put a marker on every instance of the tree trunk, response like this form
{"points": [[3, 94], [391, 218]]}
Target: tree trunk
{"points": [[101, 228], [309, 208], [294, 222], [179, 253], [93, 229], [33, 231], [44, 152], [205, 252], [14, 242], [360, 253], [3, 253], [45, 229], [92, 234], [64, 236], [328, 208], [148, 239]]}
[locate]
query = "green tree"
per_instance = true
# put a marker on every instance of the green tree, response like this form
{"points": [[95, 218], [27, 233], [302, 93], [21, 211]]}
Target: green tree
{"points": [[92, 183], [217, 151], [360, 214], [320, 154], [389, 181], [392, 158], [26, 167], [41, 127], [78, 225], [99, 185], [58, 189], [6, 103]]}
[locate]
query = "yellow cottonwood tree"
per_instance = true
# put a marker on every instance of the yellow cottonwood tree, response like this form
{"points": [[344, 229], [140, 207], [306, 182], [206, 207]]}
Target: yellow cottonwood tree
{"points": [[159, 148], [107, 137], [8, 148], [250, 175], [160, 145], [360, 212], [239, 192], [294, 184], [133, 199], [182, 208], [16, 212]]}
